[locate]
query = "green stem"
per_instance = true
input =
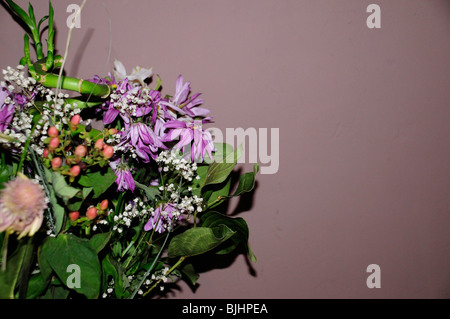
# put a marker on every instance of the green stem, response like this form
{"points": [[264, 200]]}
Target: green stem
{"points": [[151, 267], [168, 273], [50, 80], [5, 250], [25, 148]]}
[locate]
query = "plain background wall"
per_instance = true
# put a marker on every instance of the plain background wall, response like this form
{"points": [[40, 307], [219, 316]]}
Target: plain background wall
{"points": [[363, 114]]}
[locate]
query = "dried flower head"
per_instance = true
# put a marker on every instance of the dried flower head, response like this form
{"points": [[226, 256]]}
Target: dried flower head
{"points": [[22, 205]]}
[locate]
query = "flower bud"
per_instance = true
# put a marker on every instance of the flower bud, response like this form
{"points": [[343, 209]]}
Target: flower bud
{"points": [[80, 151], [104, 204], [76, 119], [54, 143], [53, 131], [75, 170], [74, 215], [56, 162], [108, 151], [45, 153], [99, 144], [113, 131], [91, 213]]}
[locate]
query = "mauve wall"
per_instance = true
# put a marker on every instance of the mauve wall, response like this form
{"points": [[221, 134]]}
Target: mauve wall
{"points": [[363, 114]]}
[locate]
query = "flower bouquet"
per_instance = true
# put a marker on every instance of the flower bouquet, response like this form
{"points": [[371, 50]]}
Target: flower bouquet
{"points": [[107, 186]]}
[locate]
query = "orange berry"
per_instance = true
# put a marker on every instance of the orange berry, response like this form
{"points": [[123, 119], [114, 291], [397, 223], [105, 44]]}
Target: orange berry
{"points": [[56, 162], [80, 151], [76, 119], [53, 131], [74, 215], [91, 213], [99, 144], [108, 151], [75, 170], [104, 204], [54, 143]]}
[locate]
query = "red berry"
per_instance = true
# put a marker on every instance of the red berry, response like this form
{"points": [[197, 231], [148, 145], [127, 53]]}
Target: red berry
{"points": [[76, 119], [80, 151], [56, 162], [104, 204], [75, 170], [108, 151], [45, 153], [99, 144], [74, 215], [54, 143], [91, 213], [53, 131]]}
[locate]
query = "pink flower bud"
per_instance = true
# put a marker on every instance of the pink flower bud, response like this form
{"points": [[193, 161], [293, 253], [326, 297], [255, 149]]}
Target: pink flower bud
{"points": [[54, 143], [104, 204], [91, 213], [75, 170], [53, 132], [80, 151], [99, 144], [76, 119], [74, 215], [108, 151], [56, 162]]}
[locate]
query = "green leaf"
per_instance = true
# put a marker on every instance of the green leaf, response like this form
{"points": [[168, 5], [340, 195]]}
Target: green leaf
{"points": [[190, 273], [112, 268], [202, 170], [216, 193], [246, 184], [222, 149], [67, 249], [100, 181], [150, 191], [99, 241], [36, 286], [237, 225], [21, 13], [219, 170], [9, 276], [61, 188], [199, 240]]}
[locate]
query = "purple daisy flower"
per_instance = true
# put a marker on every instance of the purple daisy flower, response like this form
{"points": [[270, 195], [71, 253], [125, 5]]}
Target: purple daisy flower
{"points": [[6, 109], [163, 218], [124, 179], [181, 103], [143, 139], [191, 135]]}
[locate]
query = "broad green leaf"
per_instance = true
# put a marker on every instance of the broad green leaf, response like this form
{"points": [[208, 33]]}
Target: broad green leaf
{"points": [[238, 225], [217, 192], [61, 188], [246, 184], [9, 276], [36, 286], [67, 249], [189, 272], [112, 268], [199, 240], [219, 170], [150, 191], [99, 241], [202, 170], [100, 181], [222, 149]]}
